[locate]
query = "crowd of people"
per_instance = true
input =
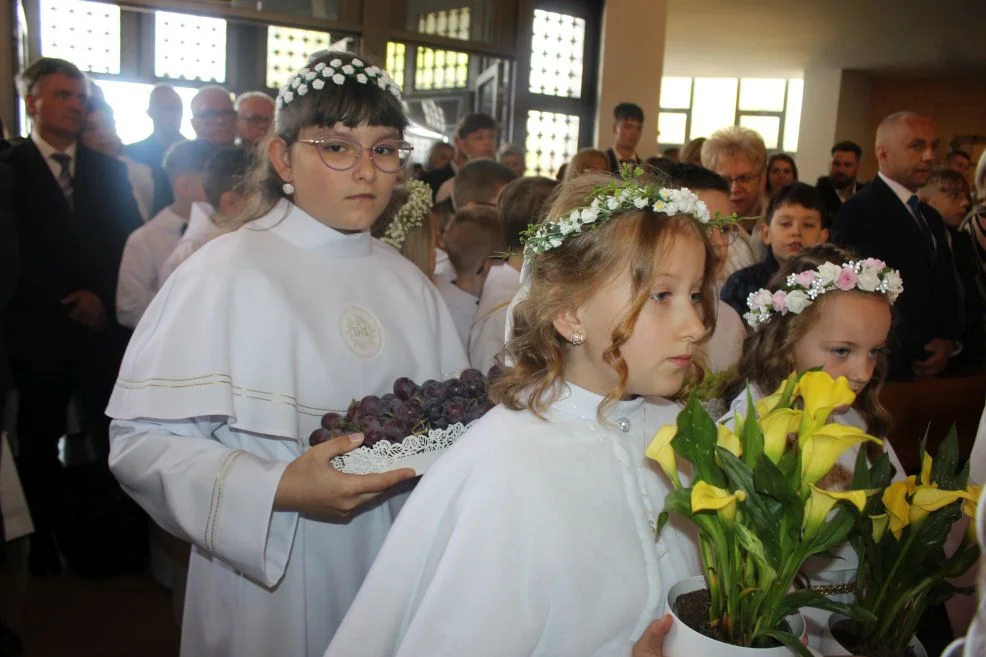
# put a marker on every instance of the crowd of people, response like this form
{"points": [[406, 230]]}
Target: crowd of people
{"points": [[195, 306]]}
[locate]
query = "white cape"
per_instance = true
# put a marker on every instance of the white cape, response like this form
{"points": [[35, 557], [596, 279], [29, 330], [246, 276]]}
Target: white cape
{"points": [[245, 347], [527, 538]]}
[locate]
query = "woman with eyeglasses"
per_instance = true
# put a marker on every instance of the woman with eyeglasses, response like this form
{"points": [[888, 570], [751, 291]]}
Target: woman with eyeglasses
{"points": [[250, 342]]}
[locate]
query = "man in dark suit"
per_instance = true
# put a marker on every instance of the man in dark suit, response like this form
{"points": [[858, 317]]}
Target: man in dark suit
{"points": [[840, 184], [475, 137], [165, 109], [887, 221], [628, 125], [74, 210]]}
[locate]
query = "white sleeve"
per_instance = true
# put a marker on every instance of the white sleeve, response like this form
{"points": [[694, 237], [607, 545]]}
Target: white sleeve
{"points": [[486, 340], [135, 286], [183, 250], [198, 489]]}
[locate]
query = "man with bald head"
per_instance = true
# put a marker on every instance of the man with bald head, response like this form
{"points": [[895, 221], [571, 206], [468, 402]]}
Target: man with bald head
{"points": [[886, 220], [213, 116], [165, 109], [254, 117]]}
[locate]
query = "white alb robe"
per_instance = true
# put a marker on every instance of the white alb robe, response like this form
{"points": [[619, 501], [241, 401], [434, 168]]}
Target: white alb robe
{"points": [[201, 229], [461, 305], [246, 346], [142, 265], [527, 538], [486, 338], [841, 569]]}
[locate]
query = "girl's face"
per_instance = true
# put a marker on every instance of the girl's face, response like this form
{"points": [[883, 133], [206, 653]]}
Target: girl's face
{"points": [[345, 200], [847, 338], [659, 352], [781, 174]]}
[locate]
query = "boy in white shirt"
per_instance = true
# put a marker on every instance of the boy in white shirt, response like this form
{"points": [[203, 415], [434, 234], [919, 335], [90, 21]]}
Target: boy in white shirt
{"points": [[147, 248], [472, 241], [222, 182]]}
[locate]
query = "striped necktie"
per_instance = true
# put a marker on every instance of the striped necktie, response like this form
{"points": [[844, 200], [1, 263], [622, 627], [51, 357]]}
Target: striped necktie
{"points": [[914, 203], [65, 176]]}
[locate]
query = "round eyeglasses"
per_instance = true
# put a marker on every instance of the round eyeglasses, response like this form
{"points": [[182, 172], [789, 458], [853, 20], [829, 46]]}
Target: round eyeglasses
{"points": [[343, 154]]}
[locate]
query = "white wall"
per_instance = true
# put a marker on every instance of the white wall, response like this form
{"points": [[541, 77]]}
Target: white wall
{"points": [[819, 115]]}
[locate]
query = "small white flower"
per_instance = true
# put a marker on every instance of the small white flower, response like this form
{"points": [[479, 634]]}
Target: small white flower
{"points": [[348, 69], [828, 273], [318, 84], [328, 72], [303, 72], [894, 283], [319, 66], [796, 301], [372, 70], [358, 62], [702, 212], [288, 97], [336, 62], [339, 78], [302, 90], [361, 78], [381, 83], [640, 202], [612, 203], [295, 82], [867, 279], [310, 75], [590, 213]]}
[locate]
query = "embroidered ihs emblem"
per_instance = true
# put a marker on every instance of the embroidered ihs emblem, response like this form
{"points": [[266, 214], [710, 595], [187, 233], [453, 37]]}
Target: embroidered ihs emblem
{"points": [[360, 329]]}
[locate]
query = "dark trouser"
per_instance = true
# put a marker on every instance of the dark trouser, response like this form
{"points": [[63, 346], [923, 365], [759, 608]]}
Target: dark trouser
{"points": [[83, 367]]}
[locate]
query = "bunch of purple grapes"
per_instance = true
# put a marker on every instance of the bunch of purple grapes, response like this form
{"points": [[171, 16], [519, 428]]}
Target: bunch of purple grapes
{"points": [[411, 409]]}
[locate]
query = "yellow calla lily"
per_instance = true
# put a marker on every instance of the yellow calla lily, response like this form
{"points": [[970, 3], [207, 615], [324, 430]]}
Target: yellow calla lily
{"points": [[880, 524], [767, 404], [822, 394], [926, 464], [912, 484], [726, 438], [969, 506], [927, 499], [895, 501], [706, 497], [776, 427], [822, 449], [820, 503], [660, 450]]}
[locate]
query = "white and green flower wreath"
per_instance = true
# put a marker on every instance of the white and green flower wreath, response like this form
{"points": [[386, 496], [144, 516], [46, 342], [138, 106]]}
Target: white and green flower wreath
{"points": [[337, 73], [410, 215], [606, 202]]}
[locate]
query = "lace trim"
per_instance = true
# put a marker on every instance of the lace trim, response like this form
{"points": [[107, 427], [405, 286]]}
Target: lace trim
{"points": [[386, 455]]}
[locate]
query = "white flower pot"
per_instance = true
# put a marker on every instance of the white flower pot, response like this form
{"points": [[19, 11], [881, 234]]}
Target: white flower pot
{"points": [[683, 641], [831, 646]]}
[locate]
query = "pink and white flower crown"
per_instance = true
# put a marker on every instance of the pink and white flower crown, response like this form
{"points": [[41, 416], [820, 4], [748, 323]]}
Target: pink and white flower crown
{"points": [[801, 290]]}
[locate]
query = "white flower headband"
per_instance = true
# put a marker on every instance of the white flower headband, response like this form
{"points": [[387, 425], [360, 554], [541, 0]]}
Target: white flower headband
{"points": [[410, 215], [801, 290], [336, 72], [608, 201]]}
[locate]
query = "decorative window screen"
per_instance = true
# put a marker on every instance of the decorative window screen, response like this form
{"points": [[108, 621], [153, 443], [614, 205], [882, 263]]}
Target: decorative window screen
{"points": [[442, 69], [556, 54], [288, 49], [395, 61], [189, 47], [552, 139], [85, 33]]}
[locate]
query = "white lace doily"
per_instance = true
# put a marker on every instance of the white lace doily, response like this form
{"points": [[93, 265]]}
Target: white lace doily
{"points": [[416, 452]]}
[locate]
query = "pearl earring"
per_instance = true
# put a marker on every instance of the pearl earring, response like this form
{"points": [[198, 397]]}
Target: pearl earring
{"points": [[288, 188], [578, 336]]}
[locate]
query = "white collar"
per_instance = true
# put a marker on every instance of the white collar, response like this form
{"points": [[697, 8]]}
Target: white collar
{"points": [[902, 192], [47, 149], [304, 231], [200, 226], [167, 220], [579, 402]]}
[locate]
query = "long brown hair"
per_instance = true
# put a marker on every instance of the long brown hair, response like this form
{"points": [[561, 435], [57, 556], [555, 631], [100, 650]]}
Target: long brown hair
{"points": [[768, 353], [565, 277]]}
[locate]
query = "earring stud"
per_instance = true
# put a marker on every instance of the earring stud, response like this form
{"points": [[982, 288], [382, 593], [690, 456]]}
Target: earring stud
{"points": [[287, 188], [578, 336]]}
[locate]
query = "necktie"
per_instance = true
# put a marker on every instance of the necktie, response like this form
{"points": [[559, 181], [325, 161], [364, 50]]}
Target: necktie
{"points": [[915, 205], [65, 176]]}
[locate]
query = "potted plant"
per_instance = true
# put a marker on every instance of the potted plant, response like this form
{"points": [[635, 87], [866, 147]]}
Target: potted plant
{"points": [[759, 514], [900, 539]]}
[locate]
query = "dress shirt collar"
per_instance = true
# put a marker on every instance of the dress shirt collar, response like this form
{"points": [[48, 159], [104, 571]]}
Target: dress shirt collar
{"points": [[47, 150], [902, 192]]}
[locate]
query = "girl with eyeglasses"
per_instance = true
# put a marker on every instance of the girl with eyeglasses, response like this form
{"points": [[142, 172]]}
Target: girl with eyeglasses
{"points": [[250, 342]]}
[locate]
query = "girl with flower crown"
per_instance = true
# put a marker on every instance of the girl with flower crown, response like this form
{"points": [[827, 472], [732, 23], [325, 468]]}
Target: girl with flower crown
{"points": [[825, 309], [533, 535], [249, 343]]}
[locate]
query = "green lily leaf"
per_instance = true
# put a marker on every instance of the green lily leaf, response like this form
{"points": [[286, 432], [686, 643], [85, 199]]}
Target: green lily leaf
{"points": [[766, 514], [696, 442], [808, 598], [790, 641]]}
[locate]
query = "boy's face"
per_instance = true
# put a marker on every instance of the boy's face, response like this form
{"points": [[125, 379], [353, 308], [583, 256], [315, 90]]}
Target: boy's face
{"points": [[792, 229], [478, 143], [952, 202], [627, 133], [188, 187]]}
